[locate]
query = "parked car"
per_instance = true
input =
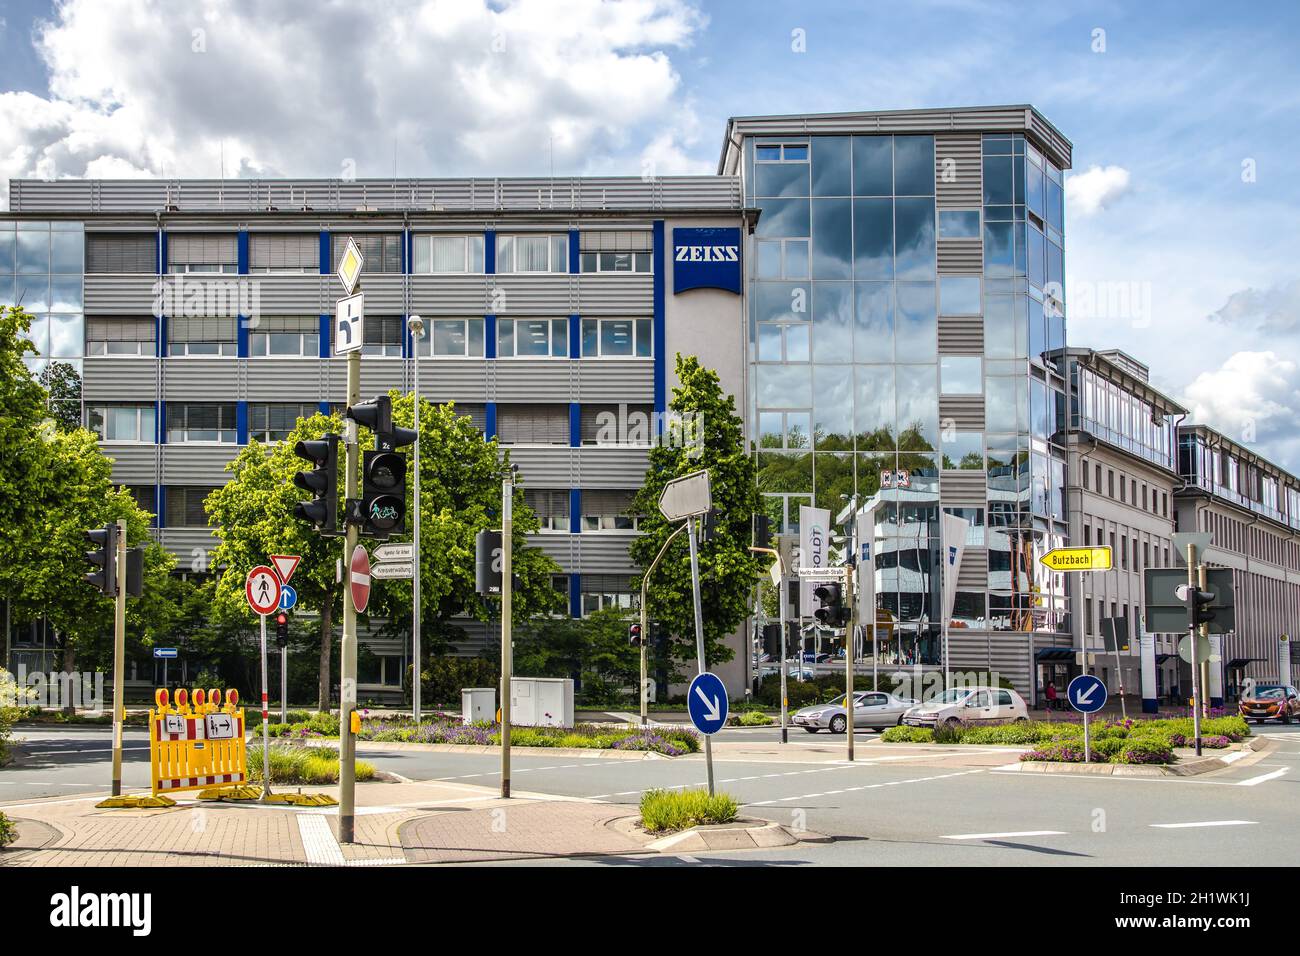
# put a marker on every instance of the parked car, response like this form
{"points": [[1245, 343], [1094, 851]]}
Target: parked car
{"points": [[810, 657], [871, 709], [1270, 702], [970, 705]]}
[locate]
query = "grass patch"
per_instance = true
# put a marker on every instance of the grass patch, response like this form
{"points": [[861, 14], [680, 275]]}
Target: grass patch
{"points": [[667, 811], [303, 765], [903, 734], [750, 718]]}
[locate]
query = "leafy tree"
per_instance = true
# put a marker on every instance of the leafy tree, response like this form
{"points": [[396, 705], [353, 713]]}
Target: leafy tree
{"points": [[727, 568]]}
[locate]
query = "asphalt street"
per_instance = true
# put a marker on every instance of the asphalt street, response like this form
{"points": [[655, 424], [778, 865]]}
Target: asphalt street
{"points": [[880, 810]]}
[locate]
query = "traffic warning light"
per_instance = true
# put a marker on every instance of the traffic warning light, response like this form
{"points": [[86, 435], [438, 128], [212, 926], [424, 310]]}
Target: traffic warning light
{"points": [[282, 630], [832, 612], [383, 470], [103, 558], [322, 481]]}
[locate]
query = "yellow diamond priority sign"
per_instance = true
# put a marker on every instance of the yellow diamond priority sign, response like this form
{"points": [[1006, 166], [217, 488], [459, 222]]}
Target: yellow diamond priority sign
{"points": [[350, 266], [1077, 559]]}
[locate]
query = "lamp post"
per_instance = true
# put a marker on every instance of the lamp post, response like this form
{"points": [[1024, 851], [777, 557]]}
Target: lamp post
{"points": [[416, 326]]}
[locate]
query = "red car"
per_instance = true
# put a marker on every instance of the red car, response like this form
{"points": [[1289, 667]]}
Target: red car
{"points": [[1270, 702]]}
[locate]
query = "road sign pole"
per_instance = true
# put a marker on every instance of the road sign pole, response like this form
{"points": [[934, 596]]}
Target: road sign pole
{"points": [[1203, 635], [119, 657], [348, 650], [785, 700], [417, 326], [507, 651], [284, 685], [1196, 667], [1087, 741], [266, 731], [699, 632], [645, 623], [849, 601]]}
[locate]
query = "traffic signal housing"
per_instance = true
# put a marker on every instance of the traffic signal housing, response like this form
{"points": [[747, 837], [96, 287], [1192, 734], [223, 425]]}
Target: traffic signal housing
{"points": [[322, 481], [103, 559], [762, 525], [634, 635], [1197, 602], [383, 470], [282, 630], [833, 612]]}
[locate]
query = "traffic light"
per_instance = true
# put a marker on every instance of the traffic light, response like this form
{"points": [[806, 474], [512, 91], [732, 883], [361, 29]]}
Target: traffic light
{"points": [[709, 525], [104, 558], [383, 471], [832, 612], [322, 481], [634, 635], [1196, 600], [762, 531], [135, 571], [282, 630]]}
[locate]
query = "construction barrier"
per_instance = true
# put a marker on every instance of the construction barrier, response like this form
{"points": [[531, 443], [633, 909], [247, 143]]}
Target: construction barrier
{"points": [[198, 744]]}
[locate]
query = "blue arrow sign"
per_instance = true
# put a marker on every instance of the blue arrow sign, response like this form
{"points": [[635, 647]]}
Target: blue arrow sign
{"points": [[1087, 694], [288, 597], [706, 700], [162, 652]]}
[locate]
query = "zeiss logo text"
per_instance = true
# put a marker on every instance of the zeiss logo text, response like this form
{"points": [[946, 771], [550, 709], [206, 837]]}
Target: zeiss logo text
{"points": [[708, 254]]}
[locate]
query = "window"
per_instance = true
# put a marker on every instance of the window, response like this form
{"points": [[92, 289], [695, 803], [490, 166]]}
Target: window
{"points": [[208, 422], [617, 424], [273, 422], [120, 336], [959, 295], [540, 253], [1083, 470], [144, 496], [383, 336], [782, 258], [550, 506], [442, 254], [121, 422], [959, 223], [607, 590], [382, 251], [185, 506], [608, 511], [122, 253], [1110, 484], [616, 337], [288, 253], [199, 252], [615, 251], [456, 338], [1087, 535], [285, 335], [532, 338], [961, 374], [781, 153], [527, 424], [206, 336]]}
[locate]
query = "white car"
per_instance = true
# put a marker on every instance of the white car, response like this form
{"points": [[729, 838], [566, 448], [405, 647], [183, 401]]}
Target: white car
{"points": [[873, 710], [969, 705]]}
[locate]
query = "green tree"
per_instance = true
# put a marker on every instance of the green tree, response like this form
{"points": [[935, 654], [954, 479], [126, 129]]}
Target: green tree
{"points": [[727, 568]]}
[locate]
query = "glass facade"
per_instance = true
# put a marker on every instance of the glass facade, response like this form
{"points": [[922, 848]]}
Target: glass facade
{"points": [[845, 299]]}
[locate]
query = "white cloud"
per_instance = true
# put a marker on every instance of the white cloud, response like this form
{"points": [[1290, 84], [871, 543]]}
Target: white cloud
{"points": [[1253, 398], [1089, 193], [453, 87], [1272, 311]]}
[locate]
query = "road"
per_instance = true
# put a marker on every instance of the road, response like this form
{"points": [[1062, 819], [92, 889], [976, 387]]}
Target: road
{"points": [[884, 810]]}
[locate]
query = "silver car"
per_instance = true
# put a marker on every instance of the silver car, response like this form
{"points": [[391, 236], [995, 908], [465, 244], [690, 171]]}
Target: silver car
{"points": [[871, 709]]}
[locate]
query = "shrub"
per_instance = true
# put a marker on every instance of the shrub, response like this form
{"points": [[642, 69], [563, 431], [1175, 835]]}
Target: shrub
{"points": [[1150, 749], [903, 734], [950, 731], [666, 811], [302, 765], [750, 718], [1108, 747], [8, 832], [1059, 751], [1018, 734]]}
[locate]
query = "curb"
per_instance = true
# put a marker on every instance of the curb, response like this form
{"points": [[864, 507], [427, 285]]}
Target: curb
{"points": [[589, 752], [746, 833], [1193, 768]]}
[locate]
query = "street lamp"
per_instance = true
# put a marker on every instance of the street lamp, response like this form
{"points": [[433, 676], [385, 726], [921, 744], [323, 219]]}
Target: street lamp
{"points": [[416, 326]]}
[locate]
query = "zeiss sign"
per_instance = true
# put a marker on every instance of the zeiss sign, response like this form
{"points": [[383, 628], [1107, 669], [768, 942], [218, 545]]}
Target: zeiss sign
{"points": [[706, 259]]}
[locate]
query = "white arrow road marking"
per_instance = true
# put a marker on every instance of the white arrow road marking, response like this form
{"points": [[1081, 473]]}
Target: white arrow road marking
{"points": [[999, 836], [713, 711], [1255, 781], [1205, 823]]}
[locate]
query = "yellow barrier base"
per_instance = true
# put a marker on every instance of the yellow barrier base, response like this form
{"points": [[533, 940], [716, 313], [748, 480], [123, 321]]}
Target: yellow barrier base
{"points": [[135, 803], [303, 799], [244, 792]]}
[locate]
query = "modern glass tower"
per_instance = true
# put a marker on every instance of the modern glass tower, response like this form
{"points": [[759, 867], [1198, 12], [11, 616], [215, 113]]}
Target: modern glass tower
{"points": [[905, 296]]}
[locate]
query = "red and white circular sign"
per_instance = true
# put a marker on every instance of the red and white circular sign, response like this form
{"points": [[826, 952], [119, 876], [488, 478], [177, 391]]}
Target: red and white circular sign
{"points": [[262, 588], [360, 578]]}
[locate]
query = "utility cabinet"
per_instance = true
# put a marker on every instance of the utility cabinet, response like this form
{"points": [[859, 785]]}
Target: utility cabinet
{"points": [[478, 704], [541, 701]]}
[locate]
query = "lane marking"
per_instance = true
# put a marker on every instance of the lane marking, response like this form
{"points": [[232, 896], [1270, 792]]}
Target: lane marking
{"points": [[868, 786], [1205, 823], [1256, 781], [77, 752], [1001, 836]]}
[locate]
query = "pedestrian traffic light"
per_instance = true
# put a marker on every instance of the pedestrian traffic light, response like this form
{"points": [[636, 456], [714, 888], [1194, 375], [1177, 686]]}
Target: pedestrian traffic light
{"points": [[322, 481], [282, 630], [762, 531], [709, 525], [832, 612], [383, 470], [104, 558], [1196, 600], [634, 635]]}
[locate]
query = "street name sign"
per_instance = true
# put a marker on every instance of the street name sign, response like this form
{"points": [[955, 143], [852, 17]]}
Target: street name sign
{"points": [[393, 569], [706, 701], [395, 551], [350, 264], [262, 588], [686, 497], [1087, 694], [1078, 559], [349, 323]]}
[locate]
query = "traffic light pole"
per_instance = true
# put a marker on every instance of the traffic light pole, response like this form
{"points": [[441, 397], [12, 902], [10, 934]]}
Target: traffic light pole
{"points": [[119, 656], [645, 623], [1192, 629], [507, 651], [848, 657], [266, 719], [348, 650], [284, 685], [699, 633]]}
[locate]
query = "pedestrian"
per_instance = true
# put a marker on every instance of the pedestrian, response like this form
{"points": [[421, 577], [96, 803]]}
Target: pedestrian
{"points": [[1051, 695]]}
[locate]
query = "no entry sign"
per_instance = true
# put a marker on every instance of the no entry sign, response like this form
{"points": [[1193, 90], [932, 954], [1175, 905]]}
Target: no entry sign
{"points": [[360, 578]]}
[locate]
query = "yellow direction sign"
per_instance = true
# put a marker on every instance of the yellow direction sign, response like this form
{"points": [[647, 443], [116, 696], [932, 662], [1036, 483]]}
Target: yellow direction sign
{"points": [[350, 264], [1077, 559]]}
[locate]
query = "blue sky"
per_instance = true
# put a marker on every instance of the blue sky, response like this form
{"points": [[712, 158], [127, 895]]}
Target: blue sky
{"points": [[1190, 113]]}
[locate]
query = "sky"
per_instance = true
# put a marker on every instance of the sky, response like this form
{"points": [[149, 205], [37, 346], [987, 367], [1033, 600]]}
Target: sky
{"points": [[1182, 206]]}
